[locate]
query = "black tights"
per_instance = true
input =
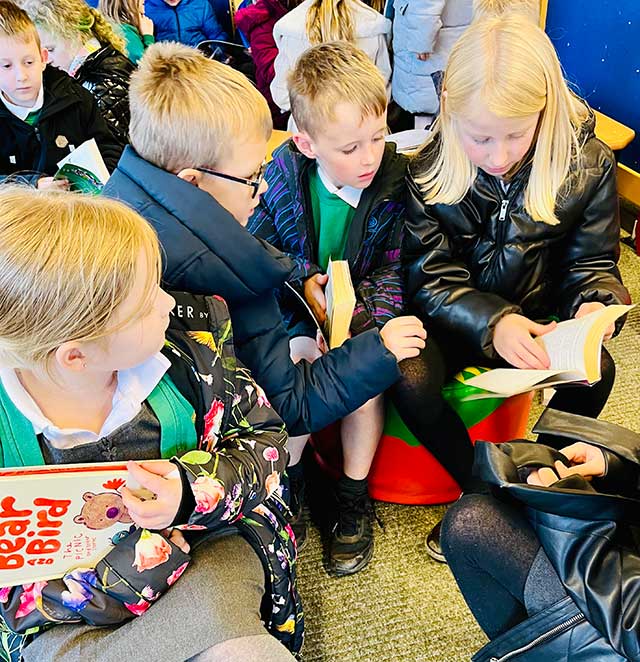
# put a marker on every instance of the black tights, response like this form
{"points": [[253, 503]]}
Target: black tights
{"points": [[418, 398], [501, 569]]}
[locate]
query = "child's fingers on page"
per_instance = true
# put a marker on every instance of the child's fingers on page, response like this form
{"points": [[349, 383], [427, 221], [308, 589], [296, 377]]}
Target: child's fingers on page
{"points": [[146, 478], [535, 355], [158, 467]]}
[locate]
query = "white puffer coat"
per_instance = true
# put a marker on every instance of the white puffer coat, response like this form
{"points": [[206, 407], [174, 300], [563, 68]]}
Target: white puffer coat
{"points": [[424, 26]]}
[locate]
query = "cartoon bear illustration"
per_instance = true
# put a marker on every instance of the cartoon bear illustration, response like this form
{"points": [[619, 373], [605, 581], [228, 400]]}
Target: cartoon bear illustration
{"points": [[102, 510]]}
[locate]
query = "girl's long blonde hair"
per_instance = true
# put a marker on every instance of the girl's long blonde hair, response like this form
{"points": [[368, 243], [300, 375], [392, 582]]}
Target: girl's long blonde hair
{"points": [[73, 20], [66, 263], [509, 65], [121, 11], [330, 20]]}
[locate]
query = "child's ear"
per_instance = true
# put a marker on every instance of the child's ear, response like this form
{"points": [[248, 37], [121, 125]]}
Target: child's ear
{"points": [[44, 53], [191, 176], [69, 356], [304, 143]]}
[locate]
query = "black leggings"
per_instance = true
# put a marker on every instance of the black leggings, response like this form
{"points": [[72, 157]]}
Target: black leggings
{"points": [[418, 399], [496, 559]]}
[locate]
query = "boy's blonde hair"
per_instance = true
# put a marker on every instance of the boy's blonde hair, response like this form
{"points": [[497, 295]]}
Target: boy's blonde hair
{"points": [[330, 74], [74, 21], [493, 8], [16, 24], [509, 65], [66, 263], [187, 111]]}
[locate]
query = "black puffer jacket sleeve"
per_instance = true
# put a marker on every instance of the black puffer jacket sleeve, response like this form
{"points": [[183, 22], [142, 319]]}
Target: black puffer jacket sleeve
{"points": [[588, 270], [436, 280]]}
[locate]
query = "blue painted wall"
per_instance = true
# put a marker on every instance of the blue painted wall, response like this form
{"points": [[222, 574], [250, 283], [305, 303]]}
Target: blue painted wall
{"points": [[598, 42]]}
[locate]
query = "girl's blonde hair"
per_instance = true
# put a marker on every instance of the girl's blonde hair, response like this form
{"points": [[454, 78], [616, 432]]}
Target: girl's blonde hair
{"points": [[121, 11], [73, 20], [330, 20], [66, 263], [508, 65]]}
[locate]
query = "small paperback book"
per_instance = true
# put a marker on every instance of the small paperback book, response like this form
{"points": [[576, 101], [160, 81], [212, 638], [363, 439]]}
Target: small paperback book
{"points": [[84, 169], [58, 517], [573, 347], [341, 301]]}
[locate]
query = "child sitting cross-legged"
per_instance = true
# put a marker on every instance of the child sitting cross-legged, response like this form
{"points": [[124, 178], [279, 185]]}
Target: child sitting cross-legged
{"points": [[336, 192], [44, 113], [96, 367]]}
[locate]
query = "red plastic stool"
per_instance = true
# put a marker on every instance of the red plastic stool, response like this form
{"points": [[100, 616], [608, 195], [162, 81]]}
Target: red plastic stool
{"points": [[404, 471]]}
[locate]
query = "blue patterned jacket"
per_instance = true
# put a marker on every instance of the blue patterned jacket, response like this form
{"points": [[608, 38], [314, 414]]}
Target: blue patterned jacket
{"points": [[284, 219]]}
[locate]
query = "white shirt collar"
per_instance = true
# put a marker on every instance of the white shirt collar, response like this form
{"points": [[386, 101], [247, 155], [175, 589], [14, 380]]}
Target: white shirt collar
{"points": [[134, 387], [20, 111], [349, 194]]}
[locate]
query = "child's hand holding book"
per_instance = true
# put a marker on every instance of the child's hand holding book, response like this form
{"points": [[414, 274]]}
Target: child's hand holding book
{"points": [[591, 306], [158, 478], [315, 297], [513, 339]]}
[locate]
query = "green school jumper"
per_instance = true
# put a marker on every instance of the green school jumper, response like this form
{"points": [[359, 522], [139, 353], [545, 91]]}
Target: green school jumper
{"points": [[332, 218]]}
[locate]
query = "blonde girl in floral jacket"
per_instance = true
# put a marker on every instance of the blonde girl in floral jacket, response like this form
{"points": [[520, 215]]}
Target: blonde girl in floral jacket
{"points": [[83, 379]]}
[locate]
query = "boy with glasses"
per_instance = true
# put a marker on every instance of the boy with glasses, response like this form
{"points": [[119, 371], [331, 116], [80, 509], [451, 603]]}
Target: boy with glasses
{"points": [[194, 169]]}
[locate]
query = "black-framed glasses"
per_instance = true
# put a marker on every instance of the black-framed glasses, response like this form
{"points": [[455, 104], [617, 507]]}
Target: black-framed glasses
{"points": [[254, 182]]}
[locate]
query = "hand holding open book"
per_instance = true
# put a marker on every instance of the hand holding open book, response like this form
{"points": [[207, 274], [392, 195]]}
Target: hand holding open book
{"points": [[573, 348]]}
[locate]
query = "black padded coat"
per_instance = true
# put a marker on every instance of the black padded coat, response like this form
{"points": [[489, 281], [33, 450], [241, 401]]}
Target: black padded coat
{"points": [[469, 264], [106, 73], [591, 533]]}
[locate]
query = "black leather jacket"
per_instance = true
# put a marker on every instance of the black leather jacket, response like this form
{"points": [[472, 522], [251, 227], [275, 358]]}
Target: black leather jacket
{"points": [[468, 265], [591, 533], [106, 73]]}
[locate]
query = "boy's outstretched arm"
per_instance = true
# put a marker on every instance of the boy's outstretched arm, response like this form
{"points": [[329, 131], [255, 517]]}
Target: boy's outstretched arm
{"points": [[310, 396]]}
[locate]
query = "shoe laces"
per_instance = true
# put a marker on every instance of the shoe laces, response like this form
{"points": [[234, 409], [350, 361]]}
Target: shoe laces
{"points": [[352, 508]]}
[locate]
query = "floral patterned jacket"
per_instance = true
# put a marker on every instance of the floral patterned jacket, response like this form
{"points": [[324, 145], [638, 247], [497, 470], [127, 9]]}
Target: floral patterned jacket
{"points": [[231, 480]]}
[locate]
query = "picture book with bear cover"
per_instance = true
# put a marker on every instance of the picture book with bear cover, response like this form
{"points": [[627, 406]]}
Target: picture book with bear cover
{"points": [[57, 517]]}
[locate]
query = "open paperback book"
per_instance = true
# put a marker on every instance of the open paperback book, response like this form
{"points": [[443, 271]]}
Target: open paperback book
{"points": [[84, 169], [573, 347], [55, 518]]}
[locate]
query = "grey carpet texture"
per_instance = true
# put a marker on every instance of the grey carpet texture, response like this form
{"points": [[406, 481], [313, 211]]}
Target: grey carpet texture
{"points": [[404, 607]]}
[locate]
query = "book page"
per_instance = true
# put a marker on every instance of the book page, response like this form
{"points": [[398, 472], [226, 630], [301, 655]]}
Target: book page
{"points": [[85, 169], [575, 344], [565, 344], [574, 351]]}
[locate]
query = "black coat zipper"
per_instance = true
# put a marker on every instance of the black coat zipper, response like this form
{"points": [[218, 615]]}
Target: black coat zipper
{"points": [[543, 638]]}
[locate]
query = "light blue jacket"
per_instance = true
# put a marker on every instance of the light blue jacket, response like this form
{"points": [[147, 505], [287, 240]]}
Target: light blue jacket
{"points": [[424, 26]]}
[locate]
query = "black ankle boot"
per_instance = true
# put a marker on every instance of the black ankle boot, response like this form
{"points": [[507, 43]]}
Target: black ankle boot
{"points": [[297, 504], [351, 546]]}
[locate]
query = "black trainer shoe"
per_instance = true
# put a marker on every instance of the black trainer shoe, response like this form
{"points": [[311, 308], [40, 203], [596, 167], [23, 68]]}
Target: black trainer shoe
{"points": [[432, 544], [299, 517], [351, 546]]}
